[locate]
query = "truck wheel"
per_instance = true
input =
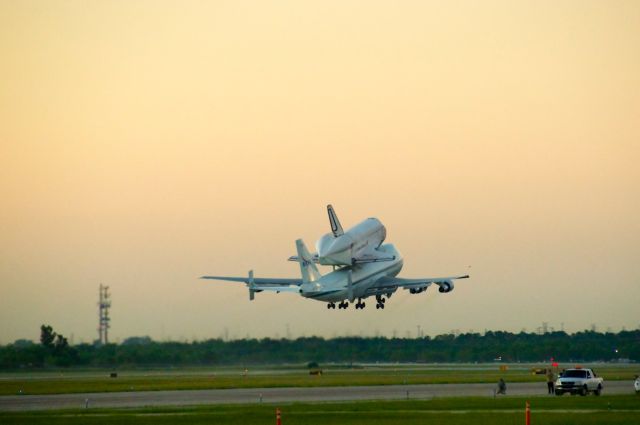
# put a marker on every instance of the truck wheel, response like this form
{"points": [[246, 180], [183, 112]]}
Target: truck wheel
{"points": [[584, 391], [598, 391], [559, 392]]}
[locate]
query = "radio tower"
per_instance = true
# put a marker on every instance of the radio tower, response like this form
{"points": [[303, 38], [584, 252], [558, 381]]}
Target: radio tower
{"points": [[103, 307]]}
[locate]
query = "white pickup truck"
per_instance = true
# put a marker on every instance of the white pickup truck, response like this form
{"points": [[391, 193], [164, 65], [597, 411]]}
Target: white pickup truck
{"points": [[578, 381]]}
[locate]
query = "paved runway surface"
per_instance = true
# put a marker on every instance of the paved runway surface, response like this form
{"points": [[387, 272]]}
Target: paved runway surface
{"points": [[277, 395]]}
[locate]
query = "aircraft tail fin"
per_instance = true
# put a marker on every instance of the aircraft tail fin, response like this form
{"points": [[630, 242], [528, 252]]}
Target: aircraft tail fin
{"points": [[336, 227], [308, 268]]}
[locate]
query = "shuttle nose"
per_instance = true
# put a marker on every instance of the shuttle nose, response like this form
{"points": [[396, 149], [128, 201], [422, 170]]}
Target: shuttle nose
{"points": [[340, 244]]}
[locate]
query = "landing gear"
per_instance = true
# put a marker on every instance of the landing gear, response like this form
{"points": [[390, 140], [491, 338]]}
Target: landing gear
{"points": [[331, 306], [343, 305], [360, 304], [381, 301]]}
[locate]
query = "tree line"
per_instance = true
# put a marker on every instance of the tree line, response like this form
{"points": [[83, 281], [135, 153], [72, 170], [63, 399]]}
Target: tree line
{"points": [[586, 346]]}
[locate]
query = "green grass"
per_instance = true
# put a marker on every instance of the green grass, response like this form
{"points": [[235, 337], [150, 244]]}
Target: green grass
{"points": [[449, 411], [195, 379]]}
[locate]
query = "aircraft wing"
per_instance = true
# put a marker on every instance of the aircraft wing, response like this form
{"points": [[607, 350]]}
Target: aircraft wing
{"points": [[397, 282]]}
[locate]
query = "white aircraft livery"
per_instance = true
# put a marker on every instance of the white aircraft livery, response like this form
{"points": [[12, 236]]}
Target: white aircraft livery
{"points": [[363, 266]]}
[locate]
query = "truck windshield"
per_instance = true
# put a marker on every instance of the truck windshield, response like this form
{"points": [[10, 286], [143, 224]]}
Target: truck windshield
{"points": [[574, 374]]}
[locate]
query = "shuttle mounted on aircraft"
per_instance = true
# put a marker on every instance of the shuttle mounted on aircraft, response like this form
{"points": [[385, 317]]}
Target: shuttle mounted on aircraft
{"points": [[363, 266]]}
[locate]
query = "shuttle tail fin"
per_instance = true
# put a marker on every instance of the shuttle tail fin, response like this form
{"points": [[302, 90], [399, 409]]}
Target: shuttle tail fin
{"points": [[308, 268], [336, 227]]}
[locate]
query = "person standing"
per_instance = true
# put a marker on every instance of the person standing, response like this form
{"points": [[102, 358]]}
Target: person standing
{"points": [[502, 387], [550, 381]]}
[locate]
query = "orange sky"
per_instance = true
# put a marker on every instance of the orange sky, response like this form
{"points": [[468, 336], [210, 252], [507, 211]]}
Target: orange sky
{"points": [[145, 143]]}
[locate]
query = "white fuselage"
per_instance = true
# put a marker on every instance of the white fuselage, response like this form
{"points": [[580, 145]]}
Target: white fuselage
{"points": [[333, 286], [362, 241]]}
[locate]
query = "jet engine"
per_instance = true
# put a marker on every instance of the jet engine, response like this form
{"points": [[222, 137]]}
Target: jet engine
{"points": [[417, 290], [446, 286]]}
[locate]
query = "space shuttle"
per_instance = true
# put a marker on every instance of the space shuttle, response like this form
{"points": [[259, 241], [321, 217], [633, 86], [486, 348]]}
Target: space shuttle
{"points": [[363, 266], [359, 244]]}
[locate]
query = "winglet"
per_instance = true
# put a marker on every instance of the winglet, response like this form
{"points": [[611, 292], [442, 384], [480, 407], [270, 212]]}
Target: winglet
{"points": [[252, 286], [336, 228]]}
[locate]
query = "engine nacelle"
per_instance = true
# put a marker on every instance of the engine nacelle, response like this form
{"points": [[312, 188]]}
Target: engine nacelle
{"points": [[416, 290], [446, 286]]}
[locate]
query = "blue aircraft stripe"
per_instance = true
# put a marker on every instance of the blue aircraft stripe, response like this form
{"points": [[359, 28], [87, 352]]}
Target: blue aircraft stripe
{"points": [[319, 294]]}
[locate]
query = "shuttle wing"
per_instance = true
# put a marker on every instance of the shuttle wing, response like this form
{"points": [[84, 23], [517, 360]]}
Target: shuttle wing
{"points": [[363, 260]]}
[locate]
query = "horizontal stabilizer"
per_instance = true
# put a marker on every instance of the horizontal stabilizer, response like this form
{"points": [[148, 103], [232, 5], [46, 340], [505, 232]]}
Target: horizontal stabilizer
{"points": [[258, 282], [314, 258]]}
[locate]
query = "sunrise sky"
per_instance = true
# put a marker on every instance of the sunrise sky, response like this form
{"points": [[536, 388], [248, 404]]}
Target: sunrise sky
{"points": [[146, 143]]}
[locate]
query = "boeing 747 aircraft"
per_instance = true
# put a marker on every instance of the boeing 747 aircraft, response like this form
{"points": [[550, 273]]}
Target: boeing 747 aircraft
{"points": [[363, 266]]}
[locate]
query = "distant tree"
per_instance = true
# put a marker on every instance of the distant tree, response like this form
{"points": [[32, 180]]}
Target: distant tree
{"points": [[472, 347], [61, 343], [47, 336], [137, 340], [57, 349]]}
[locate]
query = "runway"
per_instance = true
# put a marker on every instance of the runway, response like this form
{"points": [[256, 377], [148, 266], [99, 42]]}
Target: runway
{"points": [[277, 395]]}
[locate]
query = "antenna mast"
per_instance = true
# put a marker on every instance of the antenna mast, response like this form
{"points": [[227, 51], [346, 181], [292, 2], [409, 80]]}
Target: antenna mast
{"points": [[103, 311]]}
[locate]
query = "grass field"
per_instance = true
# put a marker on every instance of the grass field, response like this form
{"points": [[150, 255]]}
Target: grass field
{"points": [[261, 377], [450, 411]]}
